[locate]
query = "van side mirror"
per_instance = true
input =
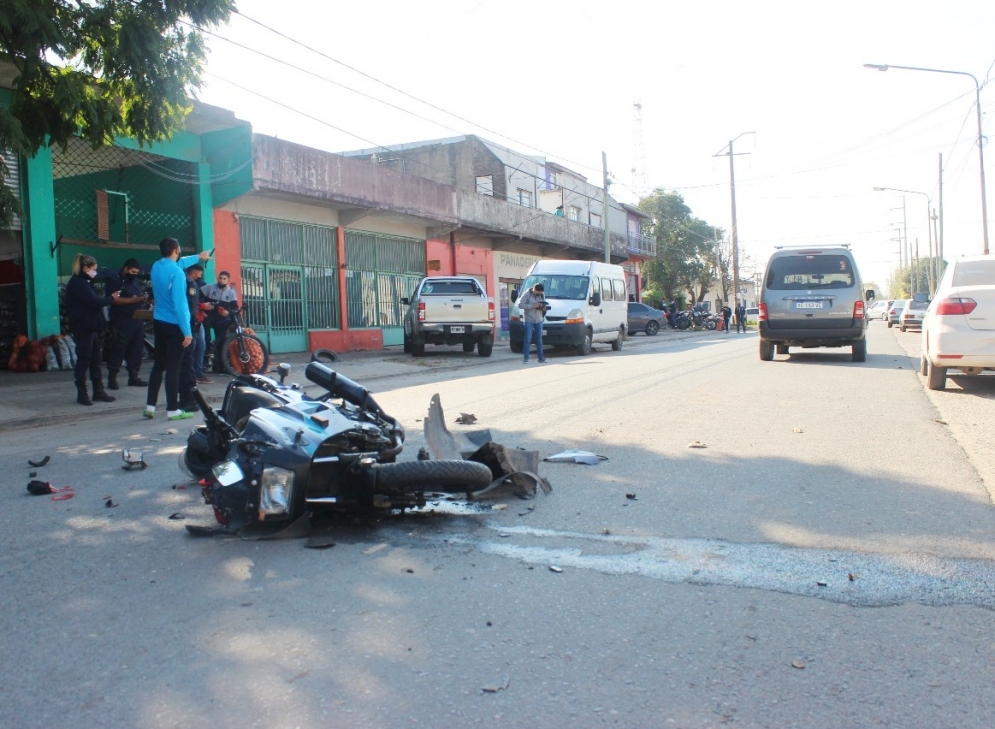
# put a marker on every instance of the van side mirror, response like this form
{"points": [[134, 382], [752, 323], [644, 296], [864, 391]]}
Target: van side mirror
{"points": [[869, 294], [405, 301], [596, 298]]}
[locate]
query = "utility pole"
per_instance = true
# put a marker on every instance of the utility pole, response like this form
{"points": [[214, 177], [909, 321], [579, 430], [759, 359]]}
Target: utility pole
{"points": [[734, 232], [916, 291], [939, 239], [604, 217]]}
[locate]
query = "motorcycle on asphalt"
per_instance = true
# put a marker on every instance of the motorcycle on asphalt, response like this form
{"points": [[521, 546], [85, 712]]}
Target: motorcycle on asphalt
{"points": [[274, 454]]}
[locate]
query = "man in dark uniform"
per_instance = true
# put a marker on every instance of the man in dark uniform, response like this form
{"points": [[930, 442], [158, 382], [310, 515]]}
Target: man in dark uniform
{"points": [[740, 317], [188, 365], [127, 333]]}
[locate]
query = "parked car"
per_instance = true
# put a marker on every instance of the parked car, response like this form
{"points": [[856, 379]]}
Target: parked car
{"points": [[912, 314], [752, 315], [958, 330], [812, 298], [878, 310], [643, 318], [449, 310], [895, 311]]}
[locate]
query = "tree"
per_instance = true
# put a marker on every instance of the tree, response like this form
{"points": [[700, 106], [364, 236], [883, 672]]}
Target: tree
{"points": [[99, 69], [684, 246]]}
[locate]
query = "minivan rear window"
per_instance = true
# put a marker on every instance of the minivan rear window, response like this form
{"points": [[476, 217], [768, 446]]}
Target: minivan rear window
{"points": [[975, 273], [813, 271]]}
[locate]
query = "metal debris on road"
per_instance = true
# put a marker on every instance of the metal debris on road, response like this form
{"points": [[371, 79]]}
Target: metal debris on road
{"points": [[133, 459], [583, 457], [696, 444], [554, 568]]}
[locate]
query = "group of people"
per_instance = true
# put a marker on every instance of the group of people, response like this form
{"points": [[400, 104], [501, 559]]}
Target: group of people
{"points": [[186, 312], [725, 312]]}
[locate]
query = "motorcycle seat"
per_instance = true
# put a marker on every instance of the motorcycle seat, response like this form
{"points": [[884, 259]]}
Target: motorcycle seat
{"points": [[243, 400]]}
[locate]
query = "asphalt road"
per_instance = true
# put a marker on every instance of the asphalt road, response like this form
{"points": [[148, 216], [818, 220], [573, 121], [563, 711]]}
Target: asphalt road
{"points": [[827, 559]]}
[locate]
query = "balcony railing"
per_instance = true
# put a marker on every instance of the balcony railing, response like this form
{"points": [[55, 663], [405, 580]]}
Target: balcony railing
{"points": [[641, 245]]}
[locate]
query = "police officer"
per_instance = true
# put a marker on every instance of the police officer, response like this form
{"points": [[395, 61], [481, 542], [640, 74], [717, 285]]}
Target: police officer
{"points": [[127, 333]]}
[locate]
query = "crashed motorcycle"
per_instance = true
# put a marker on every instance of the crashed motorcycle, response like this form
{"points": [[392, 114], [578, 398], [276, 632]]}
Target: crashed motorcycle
{"points": [[274, 454]]}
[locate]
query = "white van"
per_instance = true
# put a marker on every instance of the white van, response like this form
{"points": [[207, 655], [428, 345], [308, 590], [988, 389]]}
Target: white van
{"points": [[588, 303]]}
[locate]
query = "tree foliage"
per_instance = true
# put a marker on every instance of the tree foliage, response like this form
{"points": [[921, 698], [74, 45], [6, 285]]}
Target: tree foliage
{"points": [[907, 280], [686, 259], [99, 69]]}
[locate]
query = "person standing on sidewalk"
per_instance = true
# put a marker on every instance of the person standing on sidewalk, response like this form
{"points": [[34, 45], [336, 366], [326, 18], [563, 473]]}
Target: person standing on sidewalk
{"points": [[127, 333], [85, 311], [741, 317], [726, 316], [533, 307], [171, 320]]}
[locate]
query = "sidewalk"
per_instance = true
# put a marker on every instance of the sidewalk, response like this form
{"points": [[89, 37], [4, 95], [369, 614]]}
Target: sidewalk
{"points": [[46, 398]]}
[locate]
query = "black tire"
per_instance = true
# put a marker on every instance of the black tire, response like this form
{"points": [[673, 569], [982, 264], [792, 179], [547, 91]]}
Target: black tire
{"points": [[782, 349], [324, 355], [255, 350], [417, 347], [458, 477], [936, 377], [710, 325], [407, 343], [890, 325], [858, 350], [923, 365], [652, 328], [766, 350], [683, 324], [516, 347], [617, 341], [901, 328], [468, 346], [584, 348], [485, 346]]}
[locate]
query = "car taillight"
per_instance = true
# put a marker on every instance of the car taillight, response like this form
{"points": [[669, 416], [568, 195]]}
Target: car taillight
{"points": [[762, 314], [955, 305], [421, 311], [858, 309], [490, 311]]}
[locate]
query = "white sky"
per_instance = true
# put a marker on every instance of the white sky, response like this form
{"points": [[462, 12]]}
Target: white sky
{"points": [[559, 78]]}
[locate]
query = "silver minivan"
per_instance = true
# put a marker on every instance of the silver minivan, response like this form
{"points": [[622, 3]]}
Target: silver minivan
{"points": [[812, 298]]}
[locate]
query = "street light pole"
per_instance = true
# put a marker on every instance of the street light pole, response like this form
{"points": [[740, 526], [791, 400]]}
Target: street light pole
{"points": [[981, 151], [734, 233]]}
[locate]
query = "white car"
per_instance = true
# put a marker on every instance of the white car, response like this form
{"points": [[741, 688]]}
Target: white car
{"points": [[958, 330], [878, 310], [912, 315]]}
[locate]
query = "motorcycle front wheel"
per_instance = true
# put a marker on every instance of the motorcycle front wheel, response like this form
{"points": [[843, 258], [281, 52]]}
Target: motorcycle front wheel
{"points": [[456, 477], [253, 361]]}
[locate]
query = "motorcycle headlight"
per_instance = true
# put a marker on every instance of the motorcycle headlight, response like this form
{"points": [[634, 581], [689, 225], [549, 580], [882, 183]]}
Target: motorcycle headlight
{"points": [[276, 488]]}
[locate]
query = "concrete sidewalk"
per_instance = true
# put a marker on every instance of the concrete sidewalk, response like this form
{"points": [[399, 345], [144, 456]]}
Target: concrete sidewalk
{"points": [[46, 398]]}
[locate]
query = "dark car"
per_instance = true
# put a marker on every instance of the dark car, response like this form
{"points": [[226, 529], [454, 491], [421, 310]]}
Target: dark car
{"points": [[644, 318]]}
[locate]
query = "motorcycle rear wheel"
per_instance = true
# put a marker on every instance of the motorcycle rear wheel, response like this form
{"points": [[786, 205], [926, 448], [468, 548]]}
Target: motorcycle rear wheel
{"points": [[457, 477]]}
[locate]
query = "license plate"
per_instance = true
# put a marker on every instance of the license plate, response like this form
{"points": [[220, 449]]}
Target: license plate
{"points": [[809, 305], [457, 330]]}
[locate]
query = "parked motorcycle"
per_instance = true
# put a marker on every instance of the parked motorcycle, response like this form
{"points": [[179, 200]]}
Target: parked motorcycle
{"points": [[272, 453]]}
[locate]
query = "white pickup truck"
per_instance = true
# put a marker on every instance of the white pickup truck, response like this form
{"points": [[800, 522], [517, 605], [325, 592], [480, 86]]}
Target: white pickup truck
{"points": [[449, 310]]}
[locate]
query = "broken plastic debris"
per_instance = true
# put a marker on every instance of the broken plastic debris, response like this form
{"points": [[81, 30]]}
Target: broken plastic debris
{"points": [[466, 419], [319, 542], [696, 444], [821, 583], [110, 503], [584, 457], [631, 497], [40, 488], [38, 464], [554, 568], [133, 459], [177, 516], [797, 430], [797, 664], [493, 688]]}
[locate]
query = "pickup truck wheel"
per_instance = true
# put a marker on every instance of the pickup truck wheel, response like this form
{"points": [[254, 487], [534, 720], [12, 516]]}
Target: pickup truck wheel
{"points": [[468, 346], [516, 347], [407, 343], [584, 348], [485, 346], [417, 347], [766, 350], [617, 341], [858, 351]]}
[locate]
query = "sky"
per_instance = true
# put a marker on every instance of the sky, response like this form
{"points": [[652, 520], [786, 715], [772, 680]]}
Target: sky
{"points": [[560, 78]]}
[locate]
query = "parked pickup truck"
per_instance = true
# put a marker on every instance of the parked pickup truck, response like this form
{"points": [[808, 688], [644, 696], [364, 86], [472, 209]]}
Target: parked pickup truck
{"points": [[449, 310]]}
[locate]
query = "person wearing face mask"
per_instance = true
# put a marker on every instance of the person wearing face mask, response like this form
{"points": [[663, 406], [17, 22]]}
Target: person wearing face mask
{"points": [[128, 333], [85, 311], [225, 301]]}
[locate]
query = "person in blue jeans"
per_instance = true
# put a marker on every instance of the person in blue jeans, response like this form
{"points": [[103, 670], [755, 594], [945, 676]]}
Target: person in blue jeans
{"points": [[533, 307]]}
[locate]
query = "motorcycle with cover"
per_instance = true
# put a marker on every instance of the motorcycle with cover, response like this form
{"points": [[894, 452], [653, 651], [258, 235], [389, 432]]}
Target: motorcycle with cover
{"points": [[272, 453]]}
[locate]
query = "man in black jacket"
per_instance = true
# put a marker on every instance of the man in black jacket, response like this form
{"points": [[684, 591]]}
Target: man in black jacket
{"points": [[740, 317], [85, 311], [127, 333]]}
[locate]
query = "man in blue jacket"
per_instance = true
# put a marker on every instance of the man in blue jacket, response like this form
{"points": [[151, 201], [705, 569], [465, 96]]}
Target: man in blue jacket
{"points": [[171, 321]]}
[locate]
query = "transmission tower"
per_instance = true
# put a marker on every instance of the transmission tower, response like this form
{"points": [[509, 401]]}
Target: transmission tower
{"points": [[638, 171]]}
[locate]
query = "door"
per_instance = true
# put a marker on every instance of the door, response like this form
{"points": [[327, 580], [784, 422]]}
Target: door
{"points": [[287, 332]]}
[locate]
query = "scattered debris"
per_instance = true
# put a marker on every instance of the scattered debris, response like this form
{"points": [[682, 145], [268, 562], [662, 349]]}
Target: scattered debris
{"points": [[320, 541], [133, 459], [179, 487], [409, 570], [493, 688], [206, 531], [821, 583], [696, 444], [584, 457], [466, 419], [941, 422], [32, 474], [423, 454], [376, 548], [554, 568], [797, 430], [606, 530], [797, 664], [850, 576], [171, 431], [498, 507], [38, 464], [512, 466], [630, 497], [177, 516], [40, 488], [110, 503]]}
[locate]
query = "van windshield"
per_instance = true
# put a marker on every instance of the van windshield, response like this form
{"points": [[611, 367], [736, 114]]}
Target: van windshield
{"points": [[560, 287], [814, 271]]}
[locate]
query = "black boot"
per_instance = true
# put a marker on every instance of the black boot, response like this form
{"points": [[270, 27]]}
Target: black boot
{"points": [[112, 381], [99, 393], [81, 395], [134, 380]]}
